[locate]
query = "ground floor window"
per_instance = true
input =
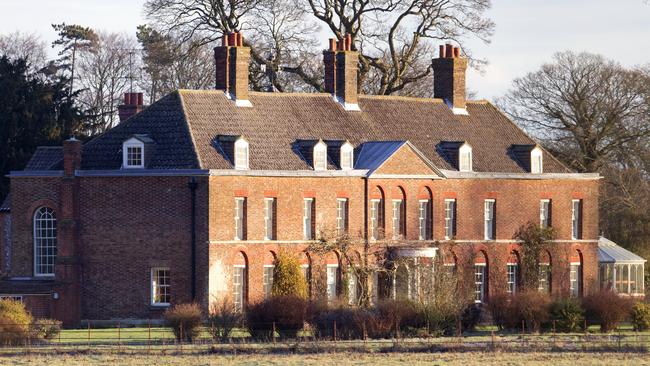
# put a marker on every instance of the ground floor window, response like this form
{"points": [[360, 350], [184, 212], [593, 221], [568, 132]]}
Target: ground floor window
{"points": [[332, 282], [239, 287], [624, 278], [267, 280], [575, 278], [353, 284], [544, 278], [160, 294], [479, 283], [12, 297]]}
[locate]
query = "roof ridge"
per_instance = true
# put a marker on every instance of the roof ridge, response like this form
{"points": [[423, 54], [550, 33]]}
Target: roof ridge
{"points": [[189, 130]]}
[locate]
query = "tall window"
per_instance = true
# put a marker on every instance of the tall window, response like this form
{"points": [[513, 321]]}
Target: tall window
{"points": [[479, 282], [425, 220], [536, 161], [512, 270], [240, 218], [490, 222], [450, 218], [160, 294], [376, 218], [347, 156], [398, 219], [545, 213], [332, 282], [308, 218], [544, 275], [465, 158], [353, 285], [269, 219], [341, 215], [576, 219], [320, 156], [133, 153], [45, 242], [241, 154], [267, 280], [239, 287], [575, 275]]}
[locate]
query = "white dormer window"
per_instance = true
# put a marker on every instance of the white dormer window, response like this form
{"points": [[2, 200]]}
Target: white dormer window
{"points": [[465, 158], [320, 156], [536, 161], [241, 154], [347, 156], [133, 154]]}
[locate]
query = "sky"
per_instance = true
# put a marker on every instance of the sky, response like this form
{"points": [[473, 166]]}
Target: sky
{"points": [[527, 33]]}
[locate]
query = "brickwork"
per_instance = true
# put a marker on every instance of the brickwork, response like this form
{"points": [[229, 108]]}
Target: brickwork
{"points": [[449, 76]]}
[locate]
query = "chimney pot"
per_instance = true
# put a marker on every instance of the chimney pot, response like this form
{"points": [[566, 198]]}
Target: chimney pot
{"points": [[332, 44], [449, 78], [442, 51], [449, 51], [348, 42], [232, 39], [224, 40], [456, 52], [240, 39]]}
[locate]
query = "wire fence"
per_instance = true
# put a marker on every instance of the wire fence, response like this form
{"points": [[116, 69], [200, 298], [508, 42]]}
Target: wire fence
{"points": [[152, 339]]}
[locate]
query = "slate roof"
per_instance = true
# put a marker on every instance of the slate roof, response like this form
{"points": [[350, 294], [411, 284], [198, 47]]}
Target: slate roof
{"points": [[45, 158], [371, 155], [185, 126], [6, 204], [610, 252]]}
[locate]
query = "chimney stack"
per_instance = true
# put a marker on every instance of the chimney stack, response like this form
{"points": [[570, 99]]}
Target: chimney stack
{"points": [[232, 61], [71, 156], [449, 78], [341, 69], [133, 104]]}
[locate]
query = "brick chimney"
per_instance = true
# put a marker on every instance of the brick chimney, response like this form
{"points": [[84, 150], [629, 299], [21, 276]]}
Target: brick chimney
{"points": [[232, 60], [71, 156], [133, 104], [449, 78], [341, 69]]}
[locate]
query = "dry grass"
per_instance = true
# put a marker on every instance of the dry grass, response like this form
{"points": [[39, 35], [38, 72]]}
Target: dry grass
{"points": [[337, 359]]}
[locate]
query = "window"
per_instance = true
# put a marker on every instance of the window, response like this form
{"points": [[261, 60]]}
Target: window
{"points": [[160, 294], [624, 278], [465, 158], [241, 154], [269, 219], [240, 218], [544, 278], [536, 161], [353, 284], [376, 218], [347, 156], [306, 274], [45, 242], [490, 222], [425, 220], [576, 279], [332, 282], [239, 287], [18, 298], [133, 154], [545, 213], [308, 219], [267, 280], [341, 216], [320, 156], [450, 218], [479, 282], [576, 219], [398, 219], [512, 270]]}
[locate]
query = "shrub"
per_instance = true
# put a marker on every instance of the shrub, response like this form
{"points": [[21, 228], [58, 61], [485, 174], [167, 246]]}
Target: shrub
{"points": [[223, 319], [501, 309], [15, 322], [568, 314], [288, 279], [46, 328], [348, 320], [185, 321], [607, 309], [531, 307], [640, 316], [288, 313]]}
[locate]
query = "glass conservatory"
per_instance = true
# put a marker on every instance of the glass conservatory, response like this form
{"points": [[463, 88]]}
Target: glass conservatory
{"points": [[620, 269]]}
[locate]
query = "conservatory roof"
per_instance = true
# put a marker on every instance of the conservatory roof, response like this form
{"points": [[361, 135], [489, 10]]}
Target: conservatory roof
{"points": [[610, 252]]}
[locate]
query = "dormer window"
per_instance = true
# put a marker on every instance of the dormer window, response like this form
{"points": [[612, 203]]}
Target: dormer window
{"points": [[536, 161], [465, 158], [320, 156], [347, 156], [241, 154], [133, 154]]}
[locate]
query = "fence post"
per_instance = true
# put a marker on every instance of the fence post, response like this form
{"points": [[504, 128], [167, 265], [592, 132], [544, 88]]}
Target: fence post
{"points": [[149, 336], [181, 337], [89, 335], [334, 332], [523, 332], [554, 333], [119, 337]]}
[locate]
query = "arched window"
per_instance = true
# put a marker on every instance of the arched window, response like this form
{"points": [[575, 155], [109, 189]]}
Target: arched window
{"points": [[241, 154], [512, 271], [267, 275], [536, 161], [44, 241], [480, 277], [353, 280], [399, 213], [347, 156], [240, 282], [465, 158], [320, 156], [575, 275], [544, 278], [305, 266], [377, 213], [425, 208], [333, 276]]}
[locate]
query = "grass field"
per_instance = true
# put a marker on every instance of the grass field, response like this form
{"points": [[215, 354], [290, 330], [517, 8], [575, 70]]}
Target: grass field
{"points": [[461, 358]]}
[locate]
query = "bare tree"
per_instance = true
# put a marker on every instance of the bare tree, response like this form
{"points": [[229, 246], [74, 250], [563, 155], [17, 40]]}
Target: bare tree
{"points": [[584, 107], [27, 46]]}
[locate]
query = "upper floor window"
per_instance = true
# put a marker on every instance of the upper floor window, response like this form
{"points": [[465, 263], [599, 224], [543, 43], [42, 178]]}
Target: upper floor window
{"points": [[347, 156], [576, 219], [376, 218], [269, 219], [160, 294], [308, 218], [240, 218], [341, 216], [490, 222], [241, 154], [133, 153], [545, 213], [398, 219], [320, 156], [425, 220], [536, 161], [465, 158], [450, 218], [45, 241]]}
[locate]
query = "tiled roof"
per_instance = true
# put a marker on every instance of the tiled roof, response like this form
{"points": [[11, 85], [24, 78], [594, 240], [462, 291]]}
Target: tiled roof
{"points": [[185, 127], [6, 204], [45, 158]]}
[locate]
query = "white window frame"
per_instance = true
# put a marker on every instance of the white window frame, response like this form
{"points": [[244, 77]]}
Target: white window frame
{"points": [[576, 217], [347, 156], [353, 281], [424, 219], [489, 215], [320, 156], [269, 217], [465, 163], [450, 218], [544, 276], [479, 282], [536, 161], [575, 279], [239, 298], [267, 280], [45, 231], [545, 213], [307, 213], [375, 215], [12, 297], [240, 217], [332, 282], [512, 272], [398, 208], [155, 287], [341, 215], [132, 143], [241, 154]]}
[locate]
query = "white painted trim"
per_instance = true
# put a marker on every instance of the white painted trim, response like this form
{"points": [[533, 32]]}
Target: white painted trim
{"points": [[403, 176], [289, 173], [460, 111], [132, 143], [152, 288], [453, 174], [243, 103], [142, 173]]}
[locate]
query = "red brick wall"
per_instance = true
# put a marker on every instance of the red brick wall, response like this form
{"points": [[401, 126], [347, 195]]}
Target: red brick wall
{"points": [[3, 216]]}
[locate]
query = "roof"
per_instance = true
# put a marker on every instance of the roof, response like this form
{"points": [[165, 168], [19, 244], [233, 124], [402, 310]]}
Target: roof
{"points": [[610, 252], [6, 204], [45, 158], [371, 155], [185, 126]]}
